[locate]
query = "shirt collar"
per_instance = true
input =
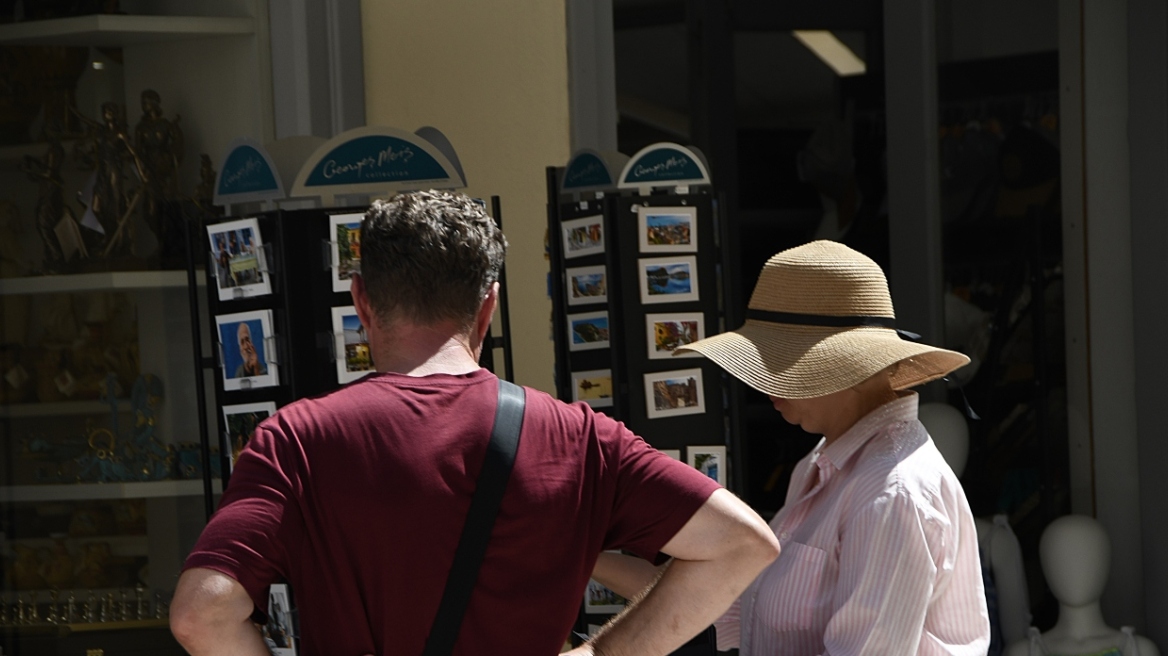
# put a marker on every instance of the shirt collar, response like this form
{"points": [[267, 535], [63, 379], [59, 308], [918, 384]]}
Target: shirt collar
{"points": [[839, 452]]}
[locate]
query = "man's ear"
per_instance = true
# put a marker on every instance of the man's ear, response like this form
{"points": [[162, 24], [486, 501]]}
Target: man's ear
{"points": [[482, 325], [361, 300]]}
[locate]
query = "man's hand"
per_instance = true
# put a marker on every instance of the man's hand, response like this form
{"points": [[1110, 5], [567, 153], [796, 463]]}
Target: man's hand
{"points": [[716, 555]]}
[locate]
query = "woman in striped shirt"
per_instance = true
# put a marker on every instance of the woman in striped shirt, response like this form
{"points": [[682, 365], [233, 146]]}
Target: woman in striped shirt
{"points": [[879, 550]]}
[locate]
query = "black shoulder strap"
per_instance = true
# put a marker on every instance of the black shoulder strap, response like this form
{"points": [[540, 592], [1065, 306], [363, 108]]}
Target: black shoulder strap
{"points": [[484, 506]]}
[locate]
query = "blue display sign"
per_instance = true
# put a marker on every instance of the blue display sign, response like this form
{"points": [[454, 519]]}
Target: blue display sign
{"points": [[664, 164], [247, 174], [246, 171], [587, 171], [375, 158]]}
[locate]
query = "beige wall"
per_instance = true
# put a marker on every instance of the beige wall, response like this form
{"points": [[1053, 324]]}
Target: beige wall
{"points": [[492, 76]]}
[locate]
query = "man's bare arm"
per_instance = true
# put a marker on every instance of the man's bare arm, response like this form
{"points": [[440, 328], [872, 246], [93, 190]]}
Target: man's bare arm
{"points": [[716, 555], [627, 576], [211, 614]]}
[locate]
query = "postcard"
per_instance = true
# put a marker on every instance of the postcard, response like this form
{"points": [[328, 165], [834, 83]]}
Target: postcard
{"points": [[241, 421], [345, 242], [665, 332], [709, 460], [599, 600], [588, 331], [279, 633], [354, 359], [672, 453], [593, 387], [238, 259], [667, 229], [245, 340], [587, 285], [583, 236], [668, 279], [674, 393]]}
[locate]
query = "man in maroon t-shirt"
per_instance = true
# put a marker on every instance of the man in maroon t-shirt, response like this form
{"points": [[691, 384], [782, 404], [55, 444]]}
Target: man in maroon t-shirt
{"points": [[358, 498]]}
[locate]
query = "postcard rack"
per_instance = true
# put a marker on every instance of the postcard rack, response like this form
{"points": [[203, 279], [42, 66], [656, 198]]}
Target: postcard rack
{"points": [[282, 321], [632, 278], [266, 316]]}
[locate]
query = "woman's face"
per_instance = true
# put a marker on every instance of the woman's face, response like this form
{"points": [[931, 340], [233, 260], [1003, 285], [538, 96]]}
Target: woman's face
{"points": [[817, 416], [833, 414]]}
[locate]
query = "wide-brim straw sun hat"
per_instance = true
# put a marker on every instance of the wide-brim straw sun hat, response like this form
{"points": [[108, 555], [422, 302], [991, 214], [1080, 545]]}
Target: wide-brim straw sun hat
{"points": [[821, 320]]}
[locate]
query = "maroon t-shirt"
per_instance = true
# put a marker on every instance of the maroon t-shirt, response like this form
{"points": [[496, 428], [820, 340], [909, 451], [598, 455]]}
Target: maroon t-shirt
{"points": [[358, 498]]}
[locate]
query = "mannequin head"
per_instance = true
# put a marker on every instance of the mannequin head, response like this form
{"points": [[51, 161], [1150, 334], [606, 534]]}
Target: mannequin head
{"points": [[1076, 555], [947, 427]]}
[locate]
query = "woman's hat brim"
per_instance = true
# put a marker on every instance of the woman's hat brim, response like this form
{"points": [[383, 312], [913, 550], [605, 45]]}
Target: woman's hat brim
{"points": [[801, 362]]}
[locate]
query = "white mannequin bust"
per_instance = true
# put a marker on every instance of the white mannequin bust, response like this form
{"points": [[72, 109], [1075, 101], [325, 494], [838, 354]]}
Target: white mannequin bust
{"points": [[1075, 554], [950, 432]]}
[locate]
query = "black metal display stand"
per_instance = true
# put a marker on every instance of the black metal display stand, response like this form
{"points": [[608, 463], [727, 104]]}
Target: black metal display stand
{"points": [[658, 259], [637, 356], [303, 344], [301, 298]]}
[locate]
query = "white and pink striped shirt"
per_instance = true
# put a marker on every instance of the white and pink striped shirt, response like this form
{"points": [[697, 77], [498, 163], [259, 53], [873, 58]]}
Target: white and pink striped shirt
{"points": [[879, 553]]}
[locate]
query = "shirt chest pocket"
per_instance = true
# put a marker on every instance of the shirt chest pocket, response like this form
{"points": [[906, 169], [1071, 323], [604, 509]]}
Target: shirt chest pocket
{"points": [[789, 590]]}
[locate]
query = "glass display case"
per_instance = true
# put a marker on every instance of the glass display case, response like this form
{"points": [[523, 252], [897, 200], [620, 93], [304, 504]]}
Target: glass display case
{"points": [[102, 490]]}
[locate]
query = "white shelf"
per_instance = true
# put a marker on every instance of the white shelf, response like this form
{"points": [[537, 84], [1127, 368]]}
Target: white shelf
{"points": [[120, 545], [112, 31], [92, 491], [88, 282], [59, 409]]}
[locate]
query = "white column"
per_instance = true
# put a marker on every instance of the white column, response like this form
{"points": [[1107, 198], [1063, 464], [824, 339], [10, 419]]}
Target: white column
{"points": [[1097, 252], [318, 76], [1148, 138], [914, 193], [591, 74]]}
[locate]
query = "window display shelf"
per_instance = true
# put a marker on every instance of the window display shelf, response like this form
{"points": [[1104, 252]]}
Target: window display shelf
{"points": [[59, 409], [94, 491], [87, 282], [112, 31], [120, 545], [62, 630]]}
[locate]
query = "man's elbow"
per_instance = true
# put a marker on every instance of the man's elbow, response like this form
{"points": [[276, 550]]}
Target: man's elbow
{"points": [[206, 605], [187, 624], [761, 545], [755, 540]]}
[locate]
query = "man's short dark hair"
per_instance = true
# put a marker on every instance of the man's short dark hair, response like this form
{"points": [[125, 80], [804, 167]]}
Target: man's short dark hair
{"points": [[429, 256]]}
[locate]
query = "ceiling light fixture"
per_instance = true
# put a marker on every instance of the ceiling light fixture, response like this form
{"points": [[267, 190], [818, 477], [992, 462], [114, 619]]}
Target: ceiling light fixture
{"points": [[832, 52]]}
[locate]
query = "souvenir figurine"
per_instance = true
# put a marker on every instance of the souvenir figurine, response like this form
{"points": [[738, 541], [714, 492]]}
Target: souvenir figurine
{"points": [[159, 143], [205, 192], [26, 569], [140, 608], [91, 570], [50, 207], [59, 573], [107, 149], [160, 609]]}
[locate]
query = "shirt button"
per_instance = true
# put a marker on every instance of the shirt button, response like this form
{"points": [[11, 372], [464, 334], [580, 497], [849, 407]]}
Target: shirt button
{"points": [[784, 536]]}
